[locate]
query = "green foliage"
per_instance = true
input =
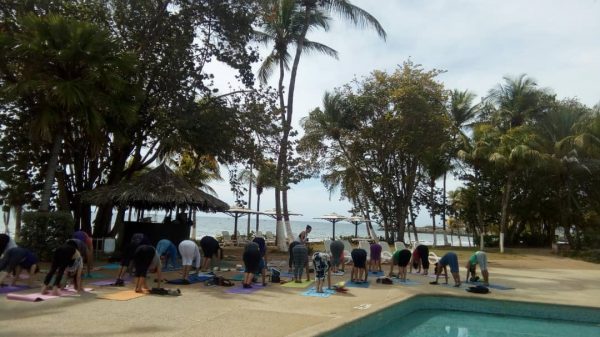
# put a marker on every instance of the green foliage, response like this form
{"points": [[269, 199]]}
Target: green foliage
{"points": [[43, 232]]}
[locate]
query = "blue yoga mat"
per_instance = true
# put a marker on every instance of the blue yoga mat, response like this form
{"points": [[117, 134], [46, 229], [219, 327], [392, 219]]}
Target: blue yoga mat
{"points": [[312, 292], [192, 279], [493, 286], [377, 273], [351, 284], [111, 266], [405, 283]]}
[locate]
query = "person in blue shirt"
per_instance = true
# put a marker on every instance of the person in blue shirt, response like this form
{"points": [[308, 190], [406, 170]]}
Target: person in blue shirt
{"points": [[448, 260], [168, 253]]}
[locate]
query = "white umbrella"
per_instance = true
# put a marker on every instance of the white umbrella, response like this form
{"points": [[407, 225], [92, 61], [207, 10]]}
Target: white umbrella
{"points": [[357, 220], [333, 218], [238, 212]]}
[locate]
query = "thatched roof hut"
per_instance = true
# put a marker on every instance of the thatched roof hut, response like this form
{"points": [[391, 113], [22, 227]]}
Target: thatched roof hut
{"points": [[160, 188]]}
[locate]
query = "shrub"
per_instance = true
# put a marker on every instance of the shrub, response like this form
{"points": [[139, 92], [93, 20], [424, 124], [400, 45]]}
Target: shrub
{"points": [[44, 232], [488, 240]]}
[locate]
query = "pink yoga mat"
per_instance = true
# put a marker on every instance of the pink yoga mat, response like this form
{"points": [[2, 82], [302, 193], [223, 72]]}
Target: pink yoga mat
{"points": [[37, 297]]}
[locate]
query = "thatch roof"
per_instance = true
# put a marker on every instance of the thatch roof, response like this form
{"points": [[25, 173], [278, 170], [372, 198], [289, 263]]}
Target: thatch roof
{"points": [[160, 188]]}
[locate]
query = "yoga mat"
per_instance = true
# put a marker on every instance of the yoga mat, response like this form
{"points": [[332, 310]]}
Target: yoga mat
{"points": [[492, 286], [286, 274], [124, 295], [312, 292], [377, 273], [293, 284], [449, 285], [405, 283], [192, 278], [12, 289], [240, 290], [351, 284], [38, 297], [93, 276], [111, 266]]}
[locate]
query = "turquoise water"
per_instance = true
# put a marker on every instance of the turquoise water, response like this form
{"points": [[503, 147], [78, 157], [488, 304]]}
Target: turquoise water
{"points": [[425, 323], [432, 316]]}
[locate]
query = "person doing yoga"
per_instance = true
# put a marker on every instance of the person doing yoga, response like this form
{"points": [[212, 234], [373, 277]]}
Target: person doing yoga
{"points": [[65, 256]]}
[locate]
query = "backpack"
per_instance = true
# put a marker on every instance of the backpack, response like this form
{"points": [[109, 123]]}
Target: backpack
{"points": [[478, 289], [275, 275]]}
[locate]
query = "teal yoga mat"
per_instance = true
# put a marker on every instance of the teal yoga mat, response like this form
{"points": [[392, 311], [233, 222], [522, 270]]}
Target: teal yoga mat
{"points": [[312, 292], [351, 284]]}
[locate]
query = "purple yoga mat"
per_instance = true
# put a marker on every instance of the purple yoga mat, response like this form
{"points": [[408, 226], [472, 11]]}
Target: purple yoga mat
{"points": [[11, 289], [240, 290]]}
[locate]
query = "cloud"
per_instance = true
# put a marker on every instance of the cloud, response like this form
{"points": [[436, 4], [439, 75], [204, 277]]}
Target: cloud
{"points": [[477, 42]]}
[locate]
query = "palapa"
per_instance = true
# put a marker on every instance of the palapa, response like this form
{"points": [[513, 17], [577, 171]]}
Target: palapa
{"points": [[159, 188]]}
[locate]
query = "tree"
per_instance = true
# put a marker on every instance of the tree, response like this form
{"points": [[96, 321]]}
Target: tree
{"points": [[72, 75]]}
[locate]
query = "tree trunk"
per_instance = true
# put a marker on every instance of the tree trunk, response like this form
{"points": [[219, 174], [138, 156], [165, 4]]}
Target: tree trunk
{"points": [[6, 218], [18, 214], [504, 214], [444, 211], [249, 201], [432, 205], [50, 173], [257, 209], [479, 212], [279, 230]]}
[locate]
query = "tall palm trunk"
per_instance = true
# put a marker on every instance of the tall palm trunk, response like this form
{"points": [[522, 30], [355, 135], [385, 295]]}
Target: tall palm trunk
{"points": [[504, 214], [432, 187], [479, 212], [249, 200], [257, 208], [286, 212], [50, 173], [444, 211]]}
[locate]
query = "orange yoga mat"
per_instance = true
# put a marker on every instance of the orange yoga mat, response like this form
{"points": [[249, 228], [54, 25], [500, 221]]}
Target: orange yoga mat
{"points": [[124, 295]]}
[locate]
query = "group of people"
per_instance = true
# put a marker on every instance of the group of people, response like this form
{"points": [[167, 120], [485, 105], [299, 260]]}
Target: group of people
{"points": [[141, 256], [405, 259]]}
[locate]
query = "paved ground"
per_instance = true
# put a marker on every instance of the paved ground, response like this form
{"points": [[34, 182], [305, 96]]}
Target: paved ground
{"points": [[278, 311]]}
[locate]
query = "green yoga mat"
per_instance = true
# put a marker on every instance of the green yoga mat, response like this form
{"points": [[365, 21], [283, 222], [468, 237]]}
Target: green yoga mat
{"points": [[293, 284]]}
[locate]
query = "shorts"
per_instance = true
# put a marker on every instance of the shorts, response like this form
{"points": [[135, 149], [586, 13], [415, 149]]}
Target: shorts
{"points": [[210, 246], [142, 260], [482, 260], [252, 261], [451, 260], [403, 258], [375, 252], [359, 257]]}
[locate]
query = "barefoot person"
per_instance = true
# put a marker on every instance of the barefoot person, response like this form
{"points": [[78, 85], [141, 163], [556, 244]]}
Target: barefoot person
{"points": [[322, 268], [449, 259], [359, 259], [14, 260], [420, 259], [136, 240], [168, 253], [64, 256], [88, 254], [85, 253], [337, 257], [300, 254], [479, 258], [400, 258], [210, 249], [145, 259], [190, 254], [375, 260], [253, 264]]}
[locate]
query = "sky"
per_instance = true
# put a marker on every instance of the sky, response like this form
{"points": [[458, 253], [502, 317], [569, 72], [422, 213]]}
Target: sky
{"points": [[477, 43]]}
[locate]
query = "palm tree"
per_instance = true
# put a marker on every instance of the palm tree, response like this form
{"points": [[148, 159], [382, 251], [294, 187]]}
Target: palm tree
{"points": [[282, 23], [517, 101], [70, 73]]}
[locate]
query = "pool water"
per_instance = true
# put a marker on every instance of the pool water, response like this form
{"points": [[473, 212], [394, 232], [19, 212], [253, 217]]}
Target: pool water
{"points": [[434, 316], [424, 323]]}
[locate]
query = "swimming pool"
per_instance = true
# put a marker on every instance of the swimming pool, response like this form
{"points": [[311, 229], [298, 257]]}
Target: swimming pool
{"points": [[422, 316]]}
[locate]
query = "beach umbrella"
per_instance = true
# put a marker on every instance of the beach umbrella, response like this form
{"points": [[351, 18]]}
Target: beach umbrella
{"points": [[273, 214], [237, 212], [357, 220], [333, 218]]}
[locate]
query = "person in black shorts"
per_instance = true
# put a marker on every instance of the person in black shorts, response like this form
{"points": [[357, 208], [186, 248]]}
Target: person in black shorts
{"points": [[400, 258], [64, 256], [145, 259], [359, 258], [210, 247], [252, 264], [421, 258]]}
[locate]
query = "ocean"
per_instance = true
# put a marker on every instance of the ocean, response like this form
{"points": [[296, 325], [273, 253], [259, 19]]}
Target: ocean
{"points": [[321, 230]]}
